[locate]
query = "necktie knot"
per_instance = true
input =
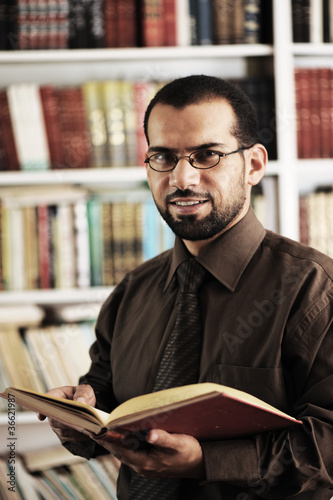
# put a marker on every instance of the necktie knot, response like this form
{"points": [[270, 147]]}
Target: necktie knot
{"points": [[190, 275]]}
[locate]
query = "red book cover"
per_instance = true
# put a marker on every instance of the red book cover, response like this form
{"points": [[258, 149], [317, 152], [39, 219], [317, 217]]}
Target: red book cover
{"points": [[75, 134], [324, 75], [170, 22], [152, 23], [303, 110], [52, 125], [44, 247], [315, 113], [127, 23], [206, 411], [111, 22], [7, 134]]}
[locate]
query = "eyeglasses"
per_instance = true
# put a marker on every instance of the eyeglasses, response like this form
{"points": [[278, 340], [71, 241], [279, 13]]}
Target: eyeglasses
{"points": [[201, 159]]}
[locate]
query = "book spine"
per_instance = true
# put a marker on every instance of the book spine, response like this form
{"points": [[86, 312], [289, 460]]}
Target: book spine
{"points": [[223, 22], [127, 23], [79, 24], [204, 22], [50, 108], [152, 23], [324, 75], [252, 21], [44, 247], [170, 22], [115, 124], [111, 23], [96, 24], [183, 23], [238, 23], [94, 108], [95, 241], [7, 133]]}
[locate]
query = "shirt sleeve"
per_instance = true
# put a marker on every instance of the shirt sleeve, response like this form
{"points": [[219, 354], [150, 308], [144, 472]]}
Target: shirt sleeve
{"points": [[284, 463]]}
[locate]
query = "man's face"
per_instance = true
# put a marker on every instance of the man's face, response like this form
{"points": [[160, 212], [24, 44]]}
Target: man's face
{"points": [[198, 204]]}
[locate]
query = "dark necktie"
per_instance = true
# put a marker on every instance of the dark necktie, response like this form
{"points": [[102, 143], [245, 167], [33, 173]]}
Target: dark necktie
{"points": [[179, 366]]}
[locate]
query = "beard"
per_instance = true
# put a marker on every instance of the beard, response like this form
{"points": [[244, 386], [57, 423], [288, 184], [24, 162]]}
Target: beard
{"points": [[189, 227]]}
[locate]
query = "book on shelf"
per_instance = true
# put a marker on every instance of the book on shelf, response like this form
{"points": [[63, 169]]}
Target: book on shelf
{"points": [[316, 219], [55, 473], [312, 21], [314, 104], [206, 411], [78, 24], [93, 125], [65, 238]]}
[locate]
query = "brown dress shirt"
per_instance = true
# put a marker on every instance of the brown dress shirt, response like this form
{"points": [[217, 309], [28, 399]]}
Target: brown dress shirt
{"points": [[267, 317]]}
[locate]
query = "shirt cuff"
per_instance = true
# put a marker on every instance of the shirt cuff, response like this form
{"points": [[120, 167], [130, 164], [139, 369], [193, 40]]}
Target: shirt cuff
{"points": [[87, 449], [234, 462]]}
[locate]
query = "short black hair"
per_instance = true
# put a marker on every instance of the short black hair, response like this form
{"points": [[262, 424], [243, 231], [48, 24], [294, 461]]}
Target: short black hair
{"points": [[195, 89]]}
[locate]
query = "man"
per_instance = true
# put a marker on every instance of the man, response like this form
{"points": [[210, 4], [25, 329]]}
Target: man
{"points": [[266, 306]]}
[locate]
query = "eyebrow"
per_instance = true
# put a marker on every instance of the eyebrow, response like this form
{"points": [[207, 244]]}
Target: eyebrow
{"points": [[163, 149]]}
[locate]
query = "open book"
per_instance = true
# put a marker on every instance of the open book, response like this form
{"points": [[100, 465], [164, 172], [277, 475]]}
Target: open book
{"points": [[206, 411]]}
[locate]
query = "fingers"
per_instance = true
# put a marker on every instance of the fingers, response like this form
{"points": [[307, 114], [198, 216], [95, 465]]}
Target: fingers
{"points": [[81, 393]]}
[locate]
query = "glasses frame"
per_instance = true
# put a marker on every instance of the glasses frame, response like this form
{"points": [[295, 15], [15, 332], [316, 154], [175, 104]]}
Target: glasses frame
{"points": [[177, 158]]}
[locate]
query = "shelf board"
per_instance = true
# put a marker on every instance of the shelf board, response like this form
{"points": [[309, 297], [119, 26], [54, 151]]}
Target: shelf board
{"points": [[134, 54], [90, 177], [56, 296], [312, 49], [127, 177]]}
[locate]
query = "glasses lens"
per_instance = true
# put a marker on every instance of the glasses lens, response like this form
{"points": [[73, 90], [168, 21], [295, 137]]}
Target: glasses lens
{"points": [[162, 161], [205, 158]]}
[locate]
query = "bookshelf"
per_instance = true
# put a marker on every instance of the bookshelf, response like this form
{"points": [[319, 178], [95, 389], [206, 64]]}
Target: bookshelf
{"points": [[293, 176]]}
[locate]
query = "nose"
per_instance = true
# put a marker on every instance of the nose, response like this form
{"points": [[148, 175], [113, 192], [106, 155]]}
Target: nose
{"points": [[184, 175]]}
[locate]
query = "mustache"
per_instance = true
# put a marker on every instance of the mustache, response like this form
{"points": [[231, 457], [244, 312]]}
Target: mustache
{"points": [[187, 193]]}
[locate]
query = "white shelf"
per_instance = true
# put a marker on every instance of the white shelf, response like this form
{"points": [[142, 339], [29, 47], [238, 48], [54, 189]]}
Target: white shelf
{"points": [[312, 49], [134, 54], [56, 296], [91, 177]]}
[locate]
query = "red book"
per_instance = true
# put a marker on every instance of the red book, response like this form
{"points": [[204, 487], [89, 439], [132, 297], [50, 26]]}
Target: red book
{"points": [[44, 247], [152, 12], [170, 22], [315, 113], [127, 23], [324, 75], [111, 21], [52, 125], [303, 110], [206, 411], [76, 142], [11, 160]]}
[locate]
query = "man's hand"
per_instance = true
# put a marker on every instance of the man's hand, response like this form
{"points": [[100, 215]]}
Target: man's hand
{"points": [[82, 393], [169, 456]]}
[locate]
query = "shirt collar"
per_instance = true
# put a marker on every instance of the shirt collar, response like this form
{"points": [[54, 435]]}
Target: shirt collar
{"points": [[228, 255]]}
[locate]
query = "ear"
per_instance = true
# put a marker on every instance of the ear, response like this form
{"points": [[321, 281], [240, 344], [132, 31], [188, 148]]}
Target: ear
{"points": [[257, 161]]}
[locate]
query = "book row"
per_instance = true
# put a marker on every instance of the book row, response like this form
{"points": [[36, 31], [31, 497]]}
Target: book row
{"points": [[314, 108], [66, 243], [316, 220], [41, 358], [59, 24], [312, 21], [97, 124], [75, 479]]}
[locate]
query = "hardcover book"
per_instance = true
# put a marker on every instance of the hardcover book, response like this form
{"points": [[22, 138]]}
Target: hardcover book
{"points": [[206, 411]]}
